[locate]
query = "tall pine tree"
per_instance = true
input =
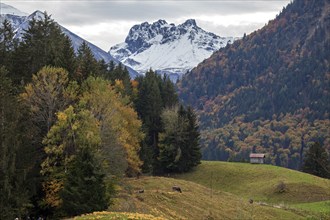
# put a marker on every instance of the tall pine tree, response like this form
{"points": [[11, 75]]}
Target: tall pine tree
{"points": [[43, 44], [7, 45], [179, 143], [169, 96], [192, 153], [14, 153], [316, 161], [84, 189], [149, 106], [121, 73], [86, 63], [154, 95], [172, 140]]}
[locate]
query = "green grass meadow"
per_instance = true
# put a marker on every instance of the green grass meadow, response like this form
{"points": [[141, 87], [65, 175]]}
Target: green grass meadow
{"points": [[222, 190], [260, 182]]}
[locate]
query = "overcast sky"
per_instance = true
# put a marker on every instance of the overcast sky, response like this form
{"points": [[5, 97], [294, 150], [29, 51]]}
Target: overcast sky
{"points": [[107, 22]]}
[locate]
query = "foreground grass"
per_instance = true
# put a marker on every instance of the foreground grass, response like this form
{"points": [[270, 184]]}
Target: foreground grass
{"points": [[117, 215], [260, 182]]}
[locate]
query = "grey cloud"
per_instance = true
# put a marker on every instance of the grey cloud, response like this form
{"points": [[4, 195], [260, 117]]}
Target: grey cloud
{"points": [[74, 12], [89, 12], [231, 30]]}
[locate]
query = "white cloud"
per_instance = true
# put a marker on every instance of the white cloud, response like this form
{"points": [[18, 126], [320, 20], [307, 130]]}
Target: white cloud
{"points": [[237, 19], [105, 34]]}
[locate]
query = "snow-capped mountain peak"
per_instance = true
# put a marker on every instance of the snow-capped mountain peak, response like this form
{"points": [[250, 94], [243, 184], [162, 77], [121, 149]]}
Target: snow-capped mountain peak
{"points": [[167, 48], [189, 22], [21, 23], [9, 10], [38, 15]]}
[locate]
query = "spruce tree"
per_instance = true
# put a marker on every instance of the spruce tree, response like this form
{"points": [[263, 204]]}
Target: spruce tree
{"points": [[194, 154], [84, 189], [172, 140], [103, 69], [7, 45], [67, 57], [154, 95], [179, 143], [7, 151], [111, 65], [121, 73], [43, 44], [86, 63], [15, 151], [169, 96], [316, 161], [149, 106]]}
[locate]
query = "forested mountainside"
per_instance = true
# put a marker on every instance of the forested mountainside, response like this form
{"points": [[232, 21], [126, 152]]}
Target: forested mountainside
{"points": [[268, 92]]}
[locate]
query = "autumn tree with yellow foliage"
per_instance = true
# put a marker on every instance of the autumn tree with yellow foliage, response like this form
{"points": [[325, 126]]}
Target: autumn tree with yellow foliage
{"points": [[49, 92], [74, 130], [120, 127], [97, 116], [101, 121]]}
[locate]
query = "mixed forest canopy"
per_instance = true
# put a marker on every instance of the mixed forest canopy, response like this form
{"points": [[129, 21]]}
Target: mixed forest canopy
{"points": [[71, 126], [269, 91]]}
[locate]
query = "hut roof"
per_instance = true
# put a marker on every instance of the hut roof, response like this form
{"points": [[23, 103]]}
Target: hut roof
{"points": [[257, 155]]}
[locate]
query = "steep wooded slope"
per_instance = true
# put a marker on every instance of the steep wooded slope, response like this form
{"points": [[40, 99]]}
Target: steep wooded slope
{"points": [[247, 92]]}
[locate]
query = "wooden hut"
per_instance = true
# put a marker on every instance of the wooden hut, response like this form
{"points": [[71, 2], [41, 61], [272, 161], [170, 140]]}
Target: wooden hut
{"points": [[257, 158]]}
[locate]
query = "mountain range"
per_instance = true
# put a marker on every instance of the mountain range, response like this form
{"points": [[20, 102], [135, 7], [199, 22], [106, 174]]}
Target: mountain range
{"points": [[20, 22], [167, 48]]}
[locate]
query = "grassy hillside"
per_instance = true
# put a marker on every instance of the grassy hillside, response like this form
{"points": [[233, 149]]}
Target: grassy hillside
{"points": [[221, 190], [260, 182], [195, 202]]}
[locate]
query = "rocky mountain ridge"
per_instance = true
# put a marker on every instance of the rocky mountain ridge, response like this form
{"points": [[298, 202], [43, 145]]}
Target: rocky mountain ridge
{"points": [[167, 48]]}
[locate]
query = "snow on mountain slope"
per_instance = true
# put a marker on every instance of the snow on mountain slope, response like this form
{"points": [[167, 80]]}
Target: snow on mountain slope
{"points": [[12, 14], [167, 48], [19, 29], [98, 53], [7, 9], [21, 23]]}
